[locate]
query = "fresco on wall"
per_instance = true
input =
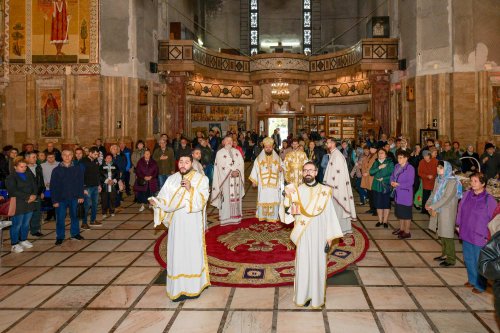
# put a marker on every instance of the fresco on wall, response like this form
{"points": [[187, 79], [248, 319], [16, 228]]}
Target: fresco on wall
{"points": [[60, 31], [51, 112], [17, 31]]}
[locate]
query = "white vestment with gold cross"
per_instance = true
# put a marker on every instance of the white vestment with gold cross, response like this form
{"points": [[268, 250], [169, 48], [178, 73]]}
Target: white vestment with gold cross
{"points": [[315, 223], [267, 175], [183, 213]]}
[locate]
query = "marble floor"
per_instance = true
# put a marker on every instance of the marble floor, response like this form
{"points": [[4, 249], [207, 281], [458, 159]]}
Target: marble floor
{"points": [[108, 283]]}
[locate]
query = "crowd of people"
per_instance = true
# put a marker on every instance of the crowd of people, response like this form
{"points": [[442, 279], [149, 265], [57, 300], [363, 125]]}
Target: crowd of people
{"points": [[386, 173], [49, 183]]}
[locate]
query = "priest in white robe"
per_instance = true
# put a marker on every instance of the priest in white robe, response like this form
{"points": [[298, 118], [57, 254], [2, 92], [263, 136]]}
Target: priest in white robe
{"points": [[180, 206], [228, 184], [267, 175], [294, 161], [310, 207], [197, 166], [337, 177]]}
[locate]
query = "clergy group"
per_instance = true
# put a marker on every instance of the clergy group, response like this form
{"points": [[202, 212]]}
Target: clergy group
{"points": [[288, 192]]}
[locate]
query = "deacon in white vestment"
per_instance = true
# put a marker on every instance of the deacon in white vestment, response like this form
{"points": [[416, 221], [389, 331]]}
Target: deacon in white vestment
{"points": [[180, 206], [294, 161], [228, 184], [197, 166], [268, 176], [310, 207], [337, 177]]}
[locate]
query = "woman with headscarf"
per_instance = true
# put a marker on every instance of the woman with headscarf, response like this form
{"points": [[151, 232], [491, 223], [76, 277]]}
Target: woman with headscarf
{"points": [[442, 205], [468, 164]]}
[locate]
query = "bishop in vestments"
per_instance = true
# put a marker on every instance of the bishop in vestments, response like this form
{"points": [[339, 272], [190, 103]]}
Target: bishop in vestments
{"points": [[310, 207], [228, 184], [337, 177], [294, 161], [268, 176], [180, 206]]}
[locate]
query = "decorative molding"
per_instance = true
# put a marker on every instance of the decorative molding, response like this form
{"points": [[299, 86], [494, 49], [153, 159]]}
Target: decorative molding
{"points": [[55, 69], [353, 88], [366, 50], [4, 69], [219, 61], [29, 31], [206, 89], [380, 51], [274, 64], [349, 57], [94, 31]]}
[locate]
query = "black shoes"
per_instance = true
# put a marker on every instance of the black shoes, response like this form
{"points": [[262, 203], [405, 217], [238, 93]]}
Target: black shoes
{"points": [[440, 258], [386, 225], [446, 264], [37, 234], [77, 237], [378, 224], [306, 304], [404, 235], [59, 242]]}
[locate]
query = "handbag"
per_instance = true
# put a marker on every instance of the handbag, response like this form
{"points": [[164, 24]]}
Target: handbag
{"points": [[8, 207], [80, 211], [141, 181]]}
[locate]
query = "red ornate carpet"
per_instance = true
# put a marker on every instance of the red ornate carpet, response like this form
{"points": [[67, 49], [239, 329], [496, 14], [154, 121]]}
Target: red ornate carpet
{"points": [[259, 254]]}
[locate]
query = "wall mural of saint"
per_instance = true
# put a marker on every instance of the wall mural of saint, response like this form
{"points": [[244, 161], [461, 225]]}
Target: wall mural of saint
{"points": [[60, 31], [60, 24], [50, 108]]}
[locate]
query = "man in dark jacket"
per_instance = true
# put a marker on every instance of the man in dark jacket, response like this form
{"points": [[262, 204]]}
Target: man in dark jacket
{"points": [[127, 154], [52, 149], [449, 155], [4, 169], [347, 152], [184, 149], [120, 162], [490, 161], [66, 186], [91, 184], [489, 260], [36, 172]]}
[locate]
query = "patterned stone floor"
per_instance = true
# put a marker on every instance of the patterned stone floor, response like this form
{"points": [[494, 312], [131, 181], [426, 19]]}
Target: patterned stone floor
{"points": [[107, 283]]}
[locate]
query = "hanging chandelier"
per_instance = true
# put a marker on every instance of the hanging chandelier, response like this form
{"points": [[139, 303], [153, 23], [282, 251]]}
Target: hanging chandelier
{"points": [[280, 92]]}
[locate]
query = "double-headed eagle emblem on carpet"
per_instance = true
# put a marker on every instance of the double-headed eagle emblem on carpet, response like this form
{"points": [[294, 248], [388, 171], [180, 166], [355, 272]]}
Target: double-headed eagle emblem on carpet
{"points": [[258, 237]]}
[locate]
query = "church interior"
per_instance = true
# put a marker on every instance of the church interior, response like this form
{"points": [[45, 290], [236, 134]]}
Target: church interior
{"points": [[133, 70]]}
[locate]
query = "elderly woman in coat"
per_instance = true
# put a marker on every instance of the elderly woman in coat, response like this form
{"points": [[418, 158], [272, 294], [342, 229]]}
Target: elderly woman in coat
{"points": [[146, 181], [402, 179], [442, 205]]}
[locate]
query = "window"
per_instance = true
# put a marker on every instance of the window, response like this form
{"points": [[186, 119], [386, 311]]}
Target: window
{"points": [[254, 27], [307, 27]]}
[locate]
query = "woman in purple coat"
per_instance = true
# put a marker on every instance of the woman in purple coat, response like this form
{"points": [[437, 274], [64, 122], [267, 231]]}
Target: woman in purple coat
{"points": [[475, 211], [402, 179], [146, 179]]}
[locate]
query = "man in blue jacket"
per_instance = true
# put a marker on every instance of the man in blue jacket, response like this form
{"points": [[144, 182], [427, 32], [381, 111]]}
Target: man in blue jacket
{"points": [[66, 186], [126, 153]]}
